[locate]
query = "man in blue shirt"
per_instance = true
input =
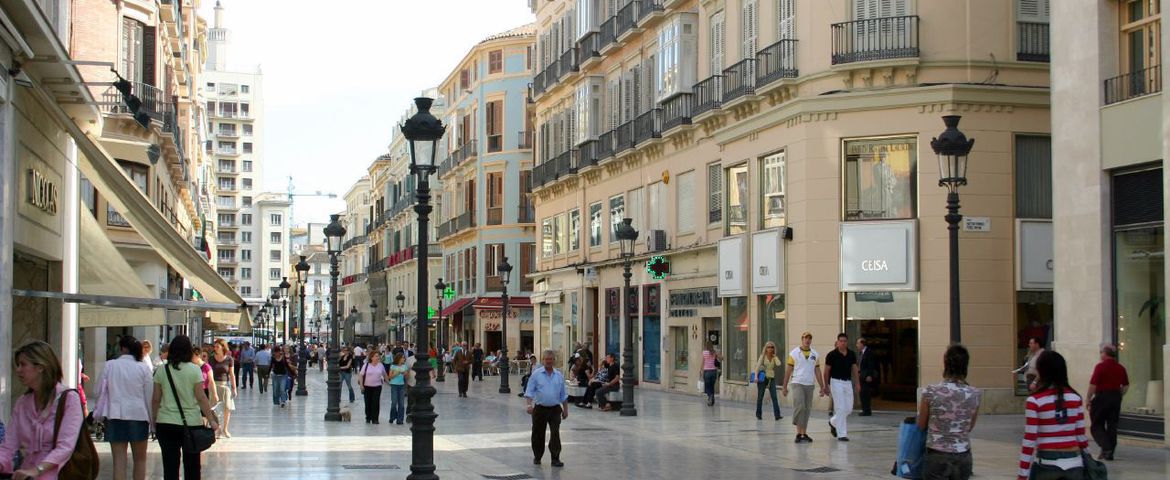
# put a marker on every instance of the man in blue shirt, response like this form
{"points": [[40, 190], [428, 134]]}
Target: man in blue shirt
{"points": [[263, 366], [548, 403], [248, 364]]}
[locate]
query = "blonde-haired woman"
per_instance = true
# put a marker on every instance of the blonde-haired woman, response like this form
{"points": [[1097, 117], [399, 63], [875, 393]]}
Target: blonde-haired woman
{"points": [[768, 363], [147, 350], [34, 416], [222, 371]]}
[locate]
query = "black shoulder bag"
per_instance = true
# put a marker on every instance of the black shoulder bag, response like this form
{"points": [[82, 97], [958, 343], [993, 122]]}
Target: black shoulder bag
{"points": [[197, 438]]}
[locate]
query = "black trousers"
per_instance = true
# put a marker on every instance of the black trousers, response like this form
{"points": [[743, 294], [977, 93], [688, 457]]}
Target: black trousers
{"points": [[477, 370], [546, 417], [464, 379], [866, 395], [1105, 412], [590, 391], [170, 441], [373, 396]]}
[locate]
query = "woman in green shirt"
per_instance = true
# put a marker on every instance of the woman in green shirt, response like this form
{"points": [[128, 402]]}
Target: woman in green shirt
{"points": [[169, 421], [768, 363]]}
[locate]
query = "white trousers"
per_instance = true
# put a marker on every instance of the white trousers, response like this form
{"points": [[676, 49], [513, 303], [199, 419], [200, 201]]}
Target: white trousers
{"points": [[842, 391]]}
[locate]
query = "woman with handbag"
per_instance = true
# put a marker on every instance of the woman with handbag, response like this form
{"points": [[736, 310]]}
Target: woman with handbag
{"points": [[345, 364], [370, 380], [178, 402], [281, 369], [125, 393], [47, 410], [711, 361], [223, 372], [766, 368], [1054, 436], [947, 412]]}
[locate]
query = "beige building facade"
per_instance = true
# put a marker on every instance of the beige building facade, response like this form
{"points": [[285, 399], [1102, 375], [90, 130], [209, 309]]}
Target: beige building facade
{"points": [[776, 153], [1110, 129]]}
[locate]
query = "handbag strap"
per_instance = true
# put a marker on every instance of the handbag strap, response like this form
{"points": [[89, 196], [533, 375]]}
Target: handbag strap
{"points": [[175, 393], [61, 412]]}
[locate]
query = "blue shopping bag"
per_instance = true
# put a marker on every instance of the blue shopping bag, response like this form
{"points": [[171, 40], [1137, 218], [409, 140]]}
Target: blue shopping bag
{"points": [[911, 449]]}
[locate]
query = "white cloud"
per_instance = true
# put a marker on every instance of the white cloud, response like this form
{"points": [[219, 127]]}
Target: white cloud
{"points": [[338, 74]]}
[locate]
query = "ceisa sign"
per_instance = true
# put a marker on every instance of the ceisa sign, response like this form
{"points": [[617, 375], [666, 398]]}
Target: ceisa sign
{"points": [[879, 256]]}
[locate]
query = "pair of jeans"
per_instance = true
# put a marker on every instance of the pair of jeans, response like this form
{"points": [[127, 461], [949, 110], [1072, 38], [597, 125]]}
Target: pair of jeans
{"points": [[263, 372], [947, 466], [347, 379], [171, 440], [373, 397], [279, 391], [248, 379], [709, 377], [397, 403], [770, 385]]}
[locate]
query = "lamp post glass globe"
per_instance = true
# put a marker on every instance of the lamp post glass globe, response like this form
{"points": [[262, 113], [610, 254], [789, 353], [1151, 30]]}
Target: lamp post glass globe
{"points": [[627, 236], [334, 232], [423, 131]]}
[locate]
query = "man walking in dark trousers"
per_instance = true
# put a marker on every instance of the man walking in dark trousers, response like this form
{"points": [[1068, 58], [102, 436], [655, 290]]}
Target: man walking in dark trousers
{"points": [[870, 374], [1108, 384], [548, 403], [477, 363]]}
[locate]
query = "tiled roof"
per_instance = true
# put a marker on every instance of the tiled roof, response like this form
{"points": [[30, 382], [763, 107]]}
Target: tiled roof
{"points": [[523, 30]]}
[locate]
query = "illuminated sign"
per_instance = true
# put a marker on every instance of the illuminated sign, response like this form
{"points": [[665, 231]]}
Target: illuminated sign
{"points": [[658, 267]]}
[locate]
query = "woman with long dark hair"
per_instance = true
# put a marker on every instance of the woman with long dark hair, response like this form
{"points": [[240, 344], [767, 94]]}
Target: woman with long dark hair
{"points": [[179, 402], [127, 385], [223, 372], [947, 412], [1054, 435], [34, 416], [711, 360]]}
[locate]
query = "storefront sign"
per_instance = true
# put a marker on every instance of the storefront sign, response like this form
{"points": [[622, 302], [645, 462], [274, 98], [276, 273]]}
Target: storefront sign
{"points": [[1034, 254], [694, 297], [879, 256], [42, 192], [494, 315], [976, 224], [732, 281], [491, 326], [684, 312], [767, 262]]}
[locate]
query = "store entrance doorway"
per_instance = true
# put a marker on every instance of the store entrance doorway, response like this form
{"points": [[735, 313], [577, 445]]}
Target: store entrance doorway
{"points": [[895, 345]]}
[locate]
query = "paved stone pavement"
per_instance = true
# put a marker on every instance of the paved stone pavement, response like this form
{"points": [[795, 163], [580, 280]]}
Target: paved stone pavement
{"points": [[674, 436]]}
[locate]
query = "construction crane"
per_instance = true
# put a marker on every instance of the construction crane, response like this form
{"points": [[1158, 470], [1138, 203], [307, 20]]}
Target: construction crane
{"points": [[292, 194]]}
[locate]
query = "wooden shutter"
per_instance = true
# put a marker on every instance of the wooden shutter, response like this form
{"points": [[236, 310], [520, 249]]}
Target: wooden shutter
{"points": [[614, 106], [636, 78], [627, 96], [149, 47], [749, 29], [715, 192], [786, 19], [718, 28], [648, 87]]}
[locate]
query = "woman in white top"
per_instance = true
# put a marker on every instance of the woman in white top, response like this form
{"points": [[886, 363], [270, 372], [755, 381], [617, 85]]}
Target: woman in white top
{"points": [[147, 350], [127, 383]]}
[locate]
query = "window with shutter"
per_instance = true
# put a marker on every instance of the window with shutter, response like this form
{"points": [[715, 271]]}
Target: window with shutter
{"points": [[684, 203], [786, 19], [714, 193], [614, 105], [495, 61], [867, 9], [636, 93], [718, 28], [132, 33], [749, 29], [495, 125], [149, 35], [648, 85], [627, 97]]}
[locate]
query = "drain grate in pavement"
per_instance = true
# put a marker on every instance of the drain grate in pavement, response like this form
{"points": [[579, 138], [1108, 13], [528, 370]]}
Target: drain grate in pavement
{"points": [[590, 429], [371, 467], [507, 476], [817, 470]]}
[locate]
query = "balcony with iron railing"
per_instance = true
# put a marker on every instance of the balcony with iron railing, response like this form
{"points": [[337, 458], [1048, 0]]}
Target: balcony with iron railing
{"points": [[623, 138], [776, 61], [568, 63], [155, 104], [539, 85], [526, 212], [875, 39], [1033, 42], [403, 203], [543, 173], [1132, 85], [605, 147], [565, 163], [627, 19], [465, 152], [589, 47], [708, 95], [587, 154], [739, 80], [115, 219], [495, 215], [648, 8], [353, 242], [676, 111], [607, 34], [648, 125], [458, 224]]}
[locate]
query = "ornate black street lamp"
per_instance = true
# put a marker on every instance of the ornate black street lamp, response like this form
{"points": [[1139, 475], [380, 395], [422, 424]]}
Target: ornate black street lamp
{"points": [[423, 131], [275, 299], [284, 286], [952, 148], [441, 331], [627, 236], [334, 232], [268, 319], [373, 319], [505, 271], [398, 330], [302, 269]]}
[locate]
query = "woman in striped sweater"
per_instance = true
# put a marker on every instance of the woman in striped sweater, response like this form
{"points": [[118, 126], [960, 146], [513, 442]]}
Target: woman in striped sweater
{"points": [[1055, 432]]}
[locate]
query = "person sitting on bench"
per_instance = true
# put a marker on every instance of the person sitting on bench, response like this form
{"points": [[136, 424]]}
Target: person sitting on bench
{"points": [[604, 380]]}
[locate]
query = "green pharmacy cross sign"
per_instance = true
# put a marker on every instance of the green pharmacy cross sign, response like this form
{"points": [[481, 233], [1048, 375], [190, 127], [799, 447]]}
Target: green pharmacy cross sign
{"points": [[431, 312], [449, 292], [658, 267]]}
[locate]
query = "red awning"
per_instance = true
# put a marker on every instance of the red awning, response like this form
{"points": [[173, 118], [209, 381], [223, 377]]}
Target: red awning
{"points": [[456, 307], [495, 303]]}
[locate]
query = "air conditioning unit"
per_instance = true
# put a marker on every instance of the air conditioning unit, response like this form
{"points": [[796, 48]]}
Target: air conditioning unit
{"points": [[656, 241]]}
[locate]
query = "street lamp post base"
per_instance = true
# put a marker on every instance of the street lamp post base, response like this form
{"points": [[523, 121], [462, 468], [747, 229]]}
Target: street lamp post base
{"points": [[504, 371], [302, 393], [333, 417]]}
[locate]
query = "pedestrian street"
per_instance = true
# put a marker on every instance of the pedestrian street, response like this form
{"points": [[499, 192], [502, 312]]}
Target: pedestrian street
{"points": [[674, 436]]}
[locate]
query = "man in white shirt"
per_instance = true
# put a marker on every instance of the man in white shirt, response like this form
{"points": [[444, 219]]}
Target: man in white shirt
{"points": [[410, 382], [802, 373], [359, 354]]}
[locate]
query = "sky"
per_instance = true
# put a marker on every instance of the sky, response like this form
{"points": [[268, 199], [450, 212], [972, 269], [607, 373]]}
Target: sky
{"points": [[338, 74]]}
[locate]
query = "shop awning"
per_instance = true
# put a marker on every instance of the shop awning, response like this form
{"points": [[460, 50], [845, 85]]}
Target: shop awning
{"points": [[552, 297], [496, 303], [537, 297], [103, 271], [456, 307]]}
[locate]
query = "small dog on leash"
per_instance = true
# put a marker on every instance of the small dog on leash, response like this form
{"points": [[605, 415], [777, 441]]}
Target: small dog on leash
{"points": [[345, 413]]}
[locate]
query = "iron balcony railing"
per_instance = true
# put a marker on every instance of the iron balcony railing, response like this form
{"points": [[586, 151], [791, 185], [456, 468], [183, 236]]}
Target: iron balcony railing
{"points": [[1033, 38], [588, 47], [875, 39], [524, 140], [648, 125], [607, 33], [587, 153], [495, 215], [406, 201], [538, 85], [355, 241], [564, 164], [465, 152], [115, 219], [647, 7], [376, 267], [708, 95], [1133, 85], [568, 62], [776, 61], [626, 19], [527, 213], [605, 147], [155, 104], [543, 173], [624, 138], [446, 165], [739, 79], [676, 111]]}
